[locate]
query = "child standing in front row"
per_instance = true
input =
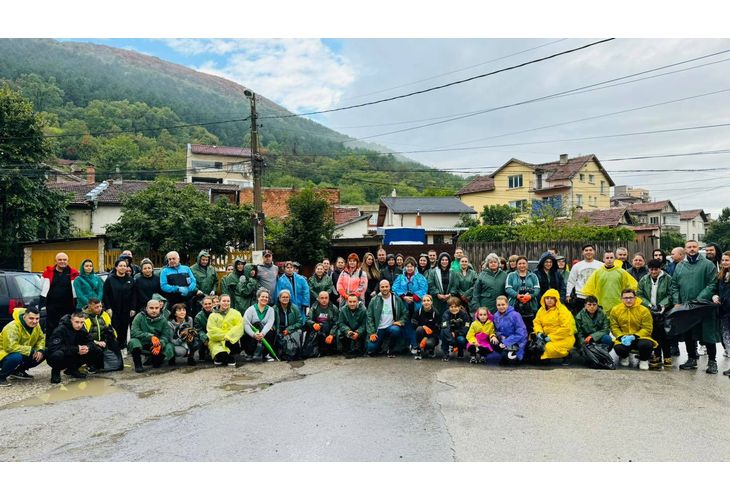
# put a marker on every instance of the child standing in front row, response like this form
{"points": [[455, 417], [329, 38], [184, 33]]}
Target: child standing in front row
{"points": [[454, 325], [479, 335], [426, 322]]}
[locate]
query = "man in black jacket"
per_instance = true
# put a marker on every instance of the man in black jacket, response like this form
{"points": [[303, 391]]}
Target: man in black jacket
{"points": [[71, 346]]}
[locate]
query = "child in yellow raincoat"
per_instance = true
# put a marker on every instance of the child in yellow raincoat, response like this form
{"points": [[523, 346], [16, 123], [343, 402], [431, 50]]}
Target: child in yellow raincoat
{"points": [[556, 324]]}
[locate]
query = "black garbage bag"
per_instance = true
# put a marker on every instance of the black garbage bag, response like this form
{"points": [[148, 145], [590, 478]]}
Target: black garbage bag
{"points": [[534, 349], [683, 318], [597, 356]]}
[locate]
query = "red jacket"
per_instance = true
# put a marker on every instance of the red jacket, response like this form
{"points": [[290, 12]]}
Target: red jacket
{"points": [[47, 279]]}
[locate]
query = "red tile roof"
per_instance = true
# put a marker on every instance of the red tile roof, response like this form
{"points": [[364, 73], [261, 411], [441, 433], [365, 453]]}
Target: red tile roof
{"points": [[565, 171], [610, 217], [344, 214], [653, 206], [478, 185], [115, 193], [691, 214], [203, 149], [77, 190]]}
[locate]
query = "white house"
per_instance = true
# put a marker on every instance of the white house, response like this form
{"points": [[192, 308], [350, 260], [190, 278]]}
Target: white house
{"points": [[221, 164], [693, 224], [438, 215]]}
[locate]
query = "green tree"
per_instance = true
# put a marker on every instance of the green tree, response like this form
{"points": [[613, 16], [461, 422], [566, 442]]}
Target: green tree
{"points": [[466, 220], [43, 94], [670, 239], [309, 227], [117, 152], [497, 215], [719, 230], [165, 217], [29, 210]]}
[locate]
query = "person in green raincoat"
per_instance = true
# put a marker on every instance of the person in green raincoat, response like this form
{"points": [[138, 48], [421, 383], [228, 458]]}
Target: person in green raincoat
{"points": [[206, 278], [87, 285], [461, 283], [695, 278], [151, 335], [489, 285], [241, 285], [319, 282], [438, 283]]}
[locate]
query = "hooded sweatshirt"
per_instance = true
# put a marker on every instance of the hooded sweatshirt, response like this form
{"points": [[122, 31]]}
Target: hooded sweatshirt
{"points": [[87, 286], [205, 276], [550, 279], [438, 283], [145, 288]]}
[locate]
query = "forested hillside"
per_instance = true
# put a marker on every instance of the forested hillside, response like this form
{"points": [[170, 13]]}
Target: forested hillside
{"points": [[121, 109]]}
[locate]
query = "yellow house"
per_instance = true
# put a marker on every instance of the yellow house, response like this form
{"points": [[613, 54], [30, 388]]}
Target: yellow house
{"points": [[221, 164], [567, 184]]}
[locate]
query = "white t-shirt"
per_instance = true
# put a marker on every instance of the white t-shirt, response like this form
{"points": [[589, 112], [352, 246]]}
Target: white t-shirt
{"points": [[579, 275], [386, 318]]}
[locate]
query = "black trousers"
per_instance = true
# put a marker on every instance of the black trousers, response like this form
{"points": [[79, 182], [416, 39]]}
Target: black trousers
{"points": [[59, 360], [54, 313], [644, 346], [249, 343], [121, 322], [658, 334]]}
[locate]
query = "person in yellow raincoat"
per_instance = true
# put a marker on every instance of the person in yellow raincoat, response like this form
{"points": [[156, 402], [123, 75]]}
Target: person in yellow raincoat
{"points": [[607, 282], [556, 325], [225, 329], [631, 324]]}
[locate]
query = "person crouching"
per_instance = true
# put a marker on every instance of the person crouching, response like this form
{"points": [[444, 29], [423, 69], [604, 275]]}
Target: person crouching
{"points": [[321, 322], [454, 326], [71, 346], [480, 339], [428, 326], [151, 335], [351, 327]]}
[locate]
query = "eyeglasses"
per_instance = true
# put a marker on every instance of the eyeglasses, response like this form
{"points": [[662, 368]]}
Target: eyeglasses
{"points": [[628, 298]]}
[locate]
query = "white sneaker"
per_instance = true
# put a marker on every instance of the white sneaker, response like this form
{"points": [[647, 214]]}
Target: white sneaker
{"points": [[643, 365], [624, 361], [702, 350]]}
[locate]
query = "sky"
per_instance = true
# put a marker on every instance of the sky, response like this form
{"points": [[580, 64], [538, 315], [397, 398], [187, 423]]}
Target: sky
{"points": [[313, 74]]}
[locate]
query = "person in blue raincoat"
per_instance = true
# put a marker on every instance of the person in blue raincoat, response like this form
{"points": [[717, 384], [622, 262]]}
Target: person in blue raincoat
{"points": [[297, 286], [411, 286]]}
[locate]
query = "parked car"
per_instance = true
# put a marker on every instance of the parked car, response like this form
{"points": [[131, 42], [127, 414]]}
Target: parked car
{"points": [[19, 289]]}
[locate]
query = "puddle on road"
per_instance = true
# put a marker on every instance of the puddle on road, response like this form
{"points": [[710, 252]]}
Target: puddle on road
{"points": [[245, 388], [71, 390], [146, 394]]}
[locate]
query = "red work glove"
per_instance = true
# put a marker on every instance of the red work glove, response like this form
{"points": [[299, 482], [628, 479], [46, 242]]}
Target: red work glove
{"points": [[427, 330], [329, 339], [373, 338], [589, 339], [317, 327], [422, 345], [355, 336], [285, 333], [156, 347]]}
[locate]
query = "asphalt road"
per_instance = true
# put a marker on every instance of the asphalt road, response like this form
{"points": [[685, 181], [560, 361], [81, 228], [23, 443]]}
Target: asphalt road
{"points": [[332, 409]]}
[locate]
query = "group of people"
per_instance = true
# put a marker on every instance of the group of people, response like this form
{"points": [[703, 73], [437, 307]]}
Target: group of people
{"points": [[384, 304]]}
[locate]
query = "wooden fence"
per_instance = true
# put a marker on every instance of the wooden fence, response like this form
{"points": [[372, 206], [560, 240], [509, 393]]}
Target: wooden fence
{"points": [[478, 251]]}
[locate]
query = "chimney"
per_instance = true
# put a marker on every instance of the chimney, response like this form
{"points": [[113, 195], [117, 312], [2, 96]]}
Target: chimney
{"points": [[418, 219], [563, 159], [90, 175]]}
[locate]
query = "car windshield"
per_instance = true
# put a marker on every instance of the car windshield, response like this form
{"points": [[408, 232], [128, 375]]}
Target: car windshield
{"points": [[29, 285]]}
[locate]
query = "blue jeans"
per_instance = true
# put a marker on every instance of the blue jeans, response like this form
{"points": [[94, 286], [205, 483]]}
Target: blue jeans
{"points": [[392, 334], [448, 341], [14, 362]]}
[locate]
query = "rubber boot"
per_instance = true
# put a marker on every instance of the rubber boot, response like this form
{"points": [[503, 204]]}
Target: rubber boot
{"points": [[137, 358]]}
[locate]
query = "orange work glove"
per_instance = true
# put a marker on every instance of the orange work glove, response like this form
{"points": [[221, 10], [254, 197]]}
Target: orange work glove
{"points": [[588, 339], [317, 327], [373, 338], [427, 330], [524, 298], [285, 333], [422, 345], [355, 336], [329, 339], [454, 349], [156, 347]]}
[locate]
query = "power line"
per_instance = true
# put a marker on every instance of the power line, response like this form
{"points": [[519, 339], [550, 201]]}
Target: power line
{"points": [[450, 84], [455, 71]]}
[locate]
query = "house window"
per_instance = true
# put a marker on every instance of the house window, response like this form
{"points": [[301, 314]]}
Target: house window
{"points": [[198, 164], [582, 177], [654, 220], [579, 200], [515, 181], [603, 187], [438, 239], [591, 178], [538, 180], [520, 205], [219, 164]]}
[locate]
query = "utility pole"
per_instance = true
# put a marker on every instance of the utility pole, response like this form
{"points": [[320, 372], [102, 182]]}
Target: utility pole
{"points": [[257, 164]]}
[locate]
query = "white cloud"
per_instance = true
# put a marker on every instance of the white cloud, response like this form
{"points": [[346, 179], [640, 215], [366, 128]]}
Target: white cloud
{"points": [[299, 74]]}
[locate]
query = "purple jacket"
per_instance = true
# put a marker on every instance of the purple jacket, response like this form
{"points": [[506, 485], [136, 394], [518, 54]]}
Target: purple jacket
{"points": [[511, 329]]}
